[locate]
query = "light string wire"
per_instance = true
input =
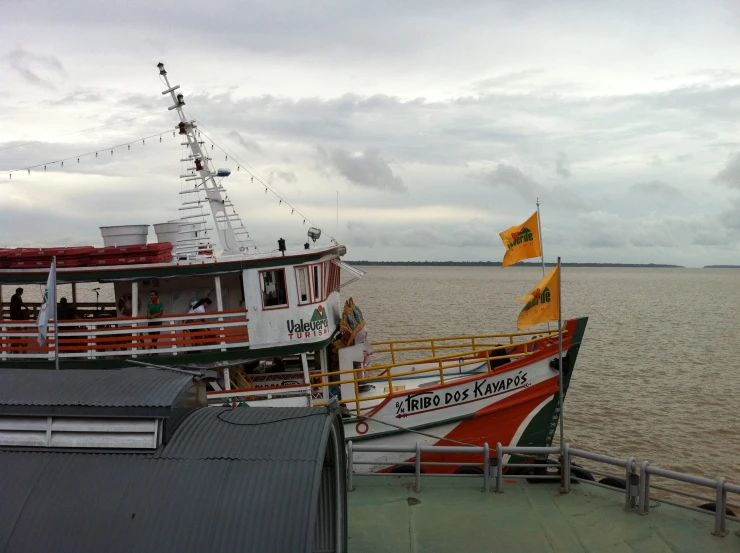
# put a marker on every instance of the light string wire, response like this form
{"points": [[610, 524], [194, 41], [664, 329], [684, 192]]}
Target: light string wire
{"points": [[256, 177], [77, 157]]}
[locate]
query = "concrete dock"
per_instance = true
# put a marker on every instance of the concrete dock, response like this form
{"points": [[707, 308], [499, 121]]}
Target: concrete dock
{"points": [[451, 515]]}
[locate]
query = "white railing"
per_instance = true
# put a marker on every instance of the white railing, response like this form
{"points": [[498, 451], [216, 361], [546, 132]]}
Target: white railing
{"points": [[126, 336], [633, 483]]}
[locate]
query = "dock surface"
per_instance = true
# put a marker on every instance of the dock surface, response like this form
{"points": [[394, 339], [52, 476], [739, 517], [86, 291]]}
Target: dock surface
{"points": [[453, 514]]}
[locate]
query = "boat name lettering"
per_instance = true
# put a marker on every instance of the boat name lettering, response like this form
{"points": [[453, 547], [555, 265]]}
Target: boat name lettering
{"points": [[317, 326], [416, 403]]}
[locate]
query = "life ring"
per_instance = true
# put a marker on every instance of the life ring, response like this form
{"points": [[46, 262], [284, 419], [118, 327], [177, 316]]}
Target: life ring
{"points": [[362, 428], [124, 305]]}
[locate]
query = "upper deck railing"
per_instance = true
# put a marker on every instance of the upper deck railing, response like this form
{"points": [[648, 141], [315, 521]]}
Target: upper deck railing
{"points": [[126, 336]]}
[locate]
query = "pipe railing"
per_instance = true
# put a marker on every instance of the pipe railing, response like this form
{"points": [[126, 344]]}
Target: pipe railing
{"points": [[475, 343], [636, 491], [126, 336]]}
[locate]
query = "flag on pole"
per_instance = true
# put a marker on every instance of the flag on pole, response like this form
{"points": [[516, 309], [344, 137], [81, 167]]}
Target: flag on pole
{"points": [[542, 302], [522, 241], [47, 304]]}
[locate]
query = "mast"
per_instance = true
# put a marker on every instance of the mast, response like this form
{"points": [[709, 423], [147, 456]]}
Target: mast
{"points": [[205, 173]]}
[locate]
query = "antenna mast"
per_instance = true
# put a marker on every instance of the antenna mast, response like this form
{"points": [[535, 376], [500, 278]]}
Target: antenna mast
{"points": [[205, 173]]}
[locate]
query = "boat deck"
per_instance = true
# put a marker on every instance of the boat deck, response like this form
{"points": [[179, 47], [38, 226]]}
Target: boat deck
{"points": [[453, 514]]}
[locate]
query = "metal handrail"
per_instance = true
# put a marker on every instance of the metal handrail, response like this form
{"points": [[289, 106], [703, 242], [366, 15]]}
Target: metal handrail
{"points": [[637, 489], [385, 372]]}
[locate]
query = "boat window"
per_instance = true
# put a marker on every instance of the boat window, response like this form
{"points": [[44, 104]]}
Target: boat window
{"points": [[317, 283], [302, 279], [274, 293], [334, 278]]}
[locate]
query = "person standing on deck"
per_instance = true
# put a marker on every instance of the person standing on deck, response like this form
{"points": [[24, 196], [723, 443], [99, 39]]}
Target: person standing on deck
{"points": [[196, 307], [154, 310], [18, 310]]}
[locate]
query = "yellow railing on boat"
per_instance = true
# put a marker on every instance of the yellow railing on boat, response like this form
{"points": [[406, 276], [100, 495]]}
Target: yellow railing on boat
{"points": [[478, 342], [477, 353]]}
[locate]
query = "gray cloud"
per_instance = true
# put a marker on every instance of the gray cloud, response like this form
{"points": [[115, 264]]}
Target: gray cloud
{"points": [[562, 166], [275, 175], [249, 145], [508, 176], [658, 189], [364, 168], [730, 174], [34, 69]]}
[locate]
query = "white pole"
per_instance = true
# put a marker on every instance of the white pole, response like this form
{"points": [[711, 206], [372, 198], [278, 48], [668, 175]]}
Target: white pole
{"points": [[539, 230], [542, 251], [560, 369], [56, 319]]}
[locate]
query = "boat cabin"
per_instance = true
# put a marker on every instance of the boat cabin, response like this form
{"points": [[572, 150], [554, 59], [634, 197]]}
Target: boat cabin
{"points": [[274, 312]]}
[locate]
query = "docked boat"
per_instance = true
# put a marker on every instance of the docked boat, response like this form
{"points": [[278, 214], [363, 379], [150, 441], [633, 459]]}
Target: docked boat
{"points": [[275, 331]]}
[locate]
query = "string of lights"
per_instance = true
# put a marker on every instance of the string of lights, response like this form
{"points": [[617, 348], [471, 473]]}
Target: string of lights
{"points": [[96, 152], [254, 176]]}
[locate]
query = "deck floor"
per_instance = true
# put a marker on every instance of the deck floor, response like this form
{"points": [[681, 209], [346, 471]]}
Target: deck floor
{"points": [[454, 515]]}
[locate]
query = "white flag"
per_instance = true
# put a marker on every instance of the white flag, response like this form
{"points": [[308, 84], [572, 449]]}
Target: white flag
{"points": [[48, 303]]}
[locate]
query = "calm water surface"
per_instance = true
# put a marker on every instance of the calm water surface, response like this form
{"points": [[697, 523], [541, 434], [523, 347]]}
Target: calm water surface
{"points": [[658, 374]]}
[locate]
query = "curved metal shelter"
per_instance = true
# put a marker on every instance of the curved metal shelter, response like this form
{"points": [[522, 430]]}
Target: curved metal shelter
{"points": [[244, 479]]}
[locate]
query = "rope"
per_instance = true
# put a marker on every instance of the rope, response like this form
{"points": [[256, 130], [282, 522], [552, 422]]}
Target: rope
{"points": [[165, 368], [427, 435]]}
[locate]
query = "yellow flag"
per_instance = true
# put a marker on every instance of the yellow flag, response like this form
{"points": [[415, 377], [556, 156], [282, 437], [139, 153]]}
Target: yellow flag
{"points": [[521, 241], [542, 302]]}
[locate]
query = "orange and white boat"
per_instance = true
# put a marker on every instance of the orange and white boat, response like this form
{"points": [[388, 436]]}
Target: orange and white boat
{"points": [[277, 333]]}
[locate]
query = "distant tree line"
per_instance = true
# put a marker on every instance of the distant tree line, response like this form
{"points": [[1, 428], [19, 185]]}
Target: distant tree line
{"points": [[722, 266], [520, 264]]}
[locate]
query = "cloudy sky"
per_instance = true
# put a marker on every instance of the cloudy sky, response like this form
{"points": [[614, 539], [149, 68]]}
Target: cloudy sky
{"points": [[437, 123]]}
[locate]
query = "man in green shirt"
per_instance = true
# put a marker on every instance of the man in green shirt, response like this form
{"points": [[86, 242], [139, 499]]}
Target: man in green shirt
{"points": [[154, 310]]}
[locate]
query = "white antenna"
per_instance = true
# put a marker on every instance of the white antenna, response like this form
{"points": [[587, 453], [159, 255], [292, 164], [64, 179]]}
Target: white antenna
{"points": [[205, 175]]}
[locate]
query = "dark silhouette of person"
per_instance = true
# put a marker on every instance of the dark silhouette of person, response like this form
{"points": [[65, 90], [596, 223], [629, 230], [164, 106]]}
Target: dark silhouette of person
{"points": [[18, 309], [65, 311], [155, 309]]}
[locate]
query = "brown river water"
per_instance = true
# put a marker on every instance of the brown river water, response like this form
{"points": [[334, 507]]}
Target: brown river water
{"points": [[657, 376]]}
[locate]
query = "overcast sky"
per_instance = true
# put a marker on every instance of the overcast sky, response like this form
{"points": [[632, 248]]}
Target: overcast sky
{"points": [[438, 123]]}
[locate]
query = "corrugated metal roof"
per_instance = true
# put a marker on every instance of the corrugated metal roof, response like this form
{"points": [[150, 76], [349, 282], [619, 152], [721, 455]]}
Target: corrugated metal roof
{"points": [[271, 434], [229, 480], [121, 388]]}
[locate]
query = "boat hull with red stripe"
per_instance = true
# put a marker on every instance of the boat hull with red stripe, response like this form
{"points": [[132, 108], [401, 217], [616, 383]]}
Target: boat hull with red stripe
{"points": [[516, 404]]}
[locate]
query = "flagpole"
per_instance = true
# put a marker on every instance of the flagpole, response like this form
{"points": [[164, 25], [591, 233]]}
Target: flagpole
{"points": [[542, 251], [560, 376], [539, 231], [56, 320]]}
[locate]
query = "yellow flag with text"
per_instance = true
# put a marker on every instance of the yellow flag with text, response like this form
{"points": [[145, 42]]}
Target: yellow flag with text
{"points": [[521, 241], [542, 302]]}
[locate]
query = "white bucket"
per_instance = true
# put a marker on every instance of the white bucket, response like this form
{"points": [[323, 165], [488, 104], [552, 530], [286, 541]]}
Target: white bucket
{"points": [[168, 232], [124, 235]]}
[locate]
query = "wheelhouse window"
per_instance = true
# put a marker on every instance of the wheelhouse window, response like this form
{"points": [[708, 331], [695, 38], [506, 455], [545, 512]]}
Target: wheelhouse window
{"points": [[274, 291], [312, 283], [334, 278], [317, 282], [301, 274]]}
